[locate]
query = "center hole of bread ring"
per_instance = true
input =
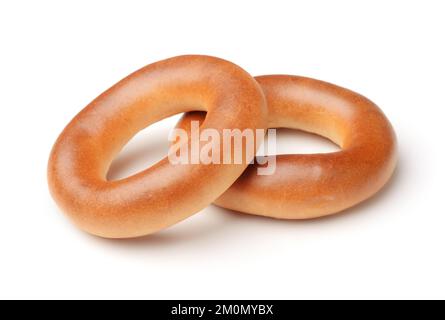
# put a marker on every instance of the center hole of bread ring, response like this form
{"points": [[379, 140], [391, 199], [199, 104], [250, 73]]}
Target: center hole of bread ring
{"points": [[291, 141], [144, 150]]}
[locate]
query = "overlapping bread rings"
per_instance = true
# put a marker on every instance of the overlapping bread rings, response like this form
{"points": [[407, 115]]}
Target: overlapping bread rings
{"points": [[314, 185], [302, 186], [165, 193]]}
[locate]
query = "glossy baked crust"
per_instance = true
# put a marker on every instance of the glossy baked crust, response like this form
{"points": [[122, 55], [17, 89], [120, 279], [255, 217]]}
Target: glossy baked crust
{"points": [[164, 194], [314, 185]]}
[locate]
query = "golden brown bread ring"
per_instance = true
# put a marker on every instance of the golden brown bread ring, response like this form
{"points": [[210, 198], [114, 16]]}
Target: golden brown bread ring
{"points": [[163, 194], [315, 185]]}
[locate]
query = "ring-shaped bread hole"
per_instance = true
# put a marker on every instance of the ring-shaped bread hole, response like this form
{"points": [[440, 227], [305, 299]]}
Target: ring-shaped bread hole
{"points": [[295, 141], [145, 149], [285, 140]]}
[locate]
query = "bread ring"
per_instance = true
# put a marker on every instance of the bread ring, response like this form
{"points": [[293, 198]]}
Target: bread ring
{"points": [[165, 193], [315, 185]]}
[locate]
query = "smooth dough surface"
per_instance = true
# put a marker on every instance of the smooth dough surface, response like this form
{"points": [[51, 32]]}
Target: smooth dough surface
{"points": [[314, 185], [165, 193]]}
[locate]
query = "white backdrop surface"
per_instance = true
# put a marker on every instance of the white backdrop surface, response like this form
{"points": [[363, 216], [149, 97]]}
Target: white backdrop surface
{"points": [[57, 56]]}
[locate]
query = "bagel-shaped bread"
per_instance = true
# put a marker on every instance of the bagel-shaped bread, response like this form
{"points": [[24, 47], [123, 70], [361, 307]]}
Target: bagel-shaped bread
{"points": [[314, 185], [165, 193]]}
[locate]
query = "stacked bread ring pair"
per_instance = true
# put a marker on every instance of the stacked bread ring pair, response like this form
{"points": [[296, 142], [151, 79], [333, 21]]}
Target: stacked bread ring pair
{"points": [[302, 187]]}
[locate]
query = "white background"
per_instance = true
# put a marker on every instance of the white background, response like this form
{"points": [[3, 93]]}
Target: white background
{"points": [[56, 56]]}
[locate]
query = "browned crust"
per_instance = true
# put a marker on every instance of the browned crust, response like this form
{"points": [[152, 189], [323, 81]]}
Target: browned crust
{"points": [[315, 185], [164, 194]]}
